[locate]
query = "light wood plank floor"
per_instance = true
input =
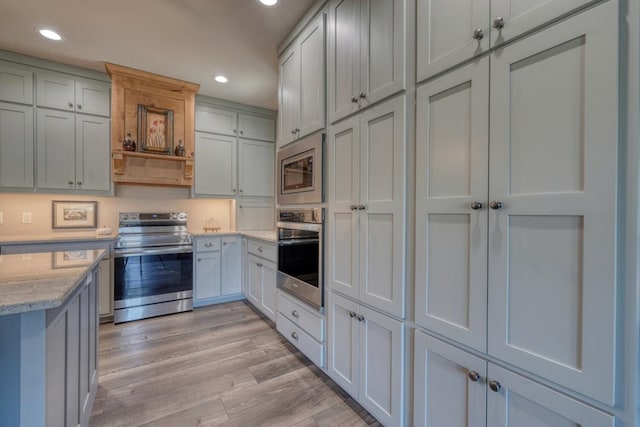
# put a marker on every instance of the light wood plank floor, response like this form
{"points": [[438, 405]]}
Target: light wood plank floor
{"points": [[223, 365]]}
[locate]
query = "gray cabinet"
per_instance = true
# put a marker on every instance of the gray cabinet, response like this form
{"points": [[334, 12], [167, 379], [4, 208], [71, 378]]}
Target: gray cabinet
{"points": [[215, 161], [217, 267], [261, 267], [256, 164], [16, 83], [72, 151], [231, 122], [16, 146], [68, 93]]}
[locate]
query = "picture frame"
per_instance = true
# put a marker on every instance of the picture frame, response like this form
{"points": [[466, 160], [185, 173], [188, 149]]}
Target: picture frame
{"points": [[70, 214], [70, 259], [155, 129]]}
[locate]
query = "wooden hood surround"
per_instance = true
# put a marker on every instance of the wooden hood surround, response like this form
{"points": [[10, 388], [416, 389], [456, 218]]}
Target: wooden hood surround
{"points": [[132, 88]]}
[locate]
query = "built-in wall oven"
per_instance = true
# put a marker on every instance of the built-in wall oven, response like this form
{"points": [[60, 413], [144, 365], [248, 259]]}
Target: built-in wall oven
{"points": [[300, 248], [300, 171], [153, 266]]}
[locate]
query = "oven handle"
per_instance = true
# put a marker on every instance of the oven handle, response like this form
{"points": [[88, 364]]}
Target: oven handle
{"points": [[293, 242], [123, 253]]}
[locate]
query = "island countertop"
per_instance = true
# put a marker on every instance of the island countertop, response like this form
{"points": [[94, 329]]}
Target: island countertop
{"points": [[39, 281]]}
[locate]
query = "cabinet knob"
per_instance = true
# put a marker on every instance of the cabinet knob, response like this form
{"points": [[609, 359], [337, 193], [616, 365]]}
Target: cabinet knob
{"points": [[224, 243], [498, 23], [293, 132], [362, 207], [294, 313], [362, 95], [474, 376], [235, 131], [495, 204], [258, 264], [294, 335], [241, 190], [260, 249], [79, 182], [70, 182], [70, 104], [495, 386], [476, 205], [354, 207], [478, 34], [79, 107], [241, 132], [352, 314], [297, 130], [199, 259], [360, 317], [354, 99]]}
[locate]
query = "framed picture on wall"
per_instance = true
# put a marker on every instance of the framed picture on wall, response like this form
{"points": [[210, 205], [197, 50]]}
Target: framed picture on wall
{"points": [[155, 129], [68, 214]]}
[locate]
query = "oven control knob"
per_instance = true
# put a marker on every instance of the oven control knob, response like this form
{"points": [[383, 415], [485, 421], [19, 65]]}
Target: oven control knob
{"points": [[124, 216], [182, 216], [174, 216]]}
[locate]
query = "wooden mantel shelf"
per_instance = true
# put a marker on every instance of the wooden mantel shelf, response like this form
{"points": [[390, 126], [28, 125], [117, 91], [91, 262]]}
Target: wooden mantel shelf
{"points": [[131, 88]]}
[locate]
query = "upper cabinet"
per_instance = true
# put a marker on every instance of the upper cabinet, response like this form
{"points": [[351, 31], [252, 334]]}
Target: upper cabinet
{"points": [[229, 122], [367, 53], [64, 92], [301, 94], [16, 146], [450, 33], [16, 83]]}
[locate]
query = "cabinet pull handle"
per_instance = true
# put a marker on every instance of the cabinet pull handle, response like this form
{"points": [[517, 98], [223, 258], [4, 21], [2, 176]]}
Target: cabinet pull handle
{"points": [[352, 314], [70, 105], [474, 376], [294, 335], [294, 313], [478, 34], [360, 317], [495, 386], [495, 204], [498, 23], [79, 107], [476, 205], [208, 245]]}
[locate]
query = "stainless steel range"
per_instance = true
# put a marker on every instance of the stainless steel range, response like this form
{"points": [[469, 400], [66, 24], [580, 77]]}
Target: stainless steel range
{"points": [[153, 265]]}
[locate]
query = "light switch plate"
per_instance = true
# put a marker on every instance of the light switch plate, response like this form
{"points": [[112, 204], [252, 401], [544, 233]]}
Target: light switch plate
{"points": [[26, 217]]}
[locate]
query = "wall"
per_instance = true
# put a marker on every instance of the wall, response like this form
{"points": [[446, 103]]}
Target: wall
{"points": [[128, 198]]}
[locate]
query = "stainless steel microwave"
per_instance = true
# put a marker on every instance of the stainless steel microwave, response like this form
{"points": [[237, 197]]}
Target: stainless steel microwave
{"points": [[300, 171]]}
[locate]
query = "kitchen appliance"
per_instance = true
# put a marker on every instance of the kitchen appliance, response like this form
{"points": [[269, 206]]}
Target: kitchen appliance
{"points": [[153, 265], [300, 249], [300, 171]]}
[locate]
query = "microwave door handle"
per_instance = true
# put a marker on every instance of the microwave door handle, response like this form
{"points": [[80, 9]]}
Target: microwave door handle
{"points": [[294, 242]]}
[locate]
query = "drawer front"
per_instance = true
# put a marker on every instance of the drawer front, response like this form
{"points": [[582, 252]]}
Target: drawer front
{"points": [[204, 244], [264, 250], [298, 314], [303, 341]]}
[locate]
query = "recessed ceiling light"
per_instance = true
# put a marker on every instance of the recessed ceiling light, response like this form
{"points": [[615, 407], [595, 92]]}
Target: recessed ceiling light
{"points": [[269, 3], [221, 79], [50, 34]]}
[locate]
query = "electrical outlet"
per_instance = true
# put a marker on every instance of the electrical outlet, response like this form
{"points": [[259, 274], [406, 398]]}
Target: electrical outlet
{"points": [[26, 217]]}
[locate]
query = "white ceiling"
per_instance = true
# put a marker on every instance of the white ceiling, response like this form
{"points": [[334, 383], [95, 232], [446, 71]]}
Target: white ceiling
{"points": [[186, 39]]}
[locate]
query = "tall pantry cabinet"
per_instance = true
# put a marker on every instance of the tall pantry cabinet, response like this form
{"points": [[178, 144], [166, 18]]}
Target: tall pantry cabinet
{"points": [[516, 208]]}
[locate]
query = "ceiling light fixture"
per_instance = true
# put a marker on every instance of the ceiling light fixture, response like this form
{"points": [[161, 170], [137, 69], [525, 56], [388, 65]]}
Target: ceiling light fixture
{"points": [[50, 34], [221, 79], [269, 3]]}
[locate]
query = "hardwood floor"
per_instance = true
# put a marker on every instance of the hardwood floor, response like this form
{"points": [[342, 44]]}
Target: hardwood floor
{"points": [[222, 365]]}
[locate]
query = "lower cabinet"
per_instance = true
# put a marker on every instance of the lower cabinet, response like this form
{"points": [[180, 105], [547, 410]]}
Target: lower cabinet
{"points": [[261, 267], [217, 270], [366, 358], [453, 388], [302, 326]]}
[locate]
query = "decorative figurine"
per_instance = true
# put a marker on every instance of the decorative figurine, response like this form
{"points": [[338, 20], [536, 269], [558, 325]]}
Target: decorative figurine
{"points": [[180, 151], [129, 144]]}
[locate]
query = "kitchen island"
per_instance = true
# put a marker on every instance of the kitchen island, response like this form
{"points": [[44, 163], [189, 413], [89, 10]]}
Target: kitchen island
{"points": [[48, 337]]}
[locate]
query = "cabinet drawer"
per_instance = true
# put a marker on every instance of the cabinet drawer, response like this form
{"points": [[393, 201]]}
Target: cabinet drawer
{"points": [[301, 316], [262, 249], [303, 341], [207, 244]]}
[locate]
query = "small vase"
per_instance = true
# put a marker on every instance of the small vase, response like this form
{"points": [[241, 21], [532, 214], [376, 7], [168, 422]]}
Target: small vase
{"points": [[180, 151], [129, 144]]}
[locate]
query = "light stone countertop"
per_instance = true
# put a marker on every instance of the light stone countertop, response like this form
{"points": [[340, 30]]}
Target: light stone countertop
{"points": [[39, 281], [56, 238], [265, 235]]}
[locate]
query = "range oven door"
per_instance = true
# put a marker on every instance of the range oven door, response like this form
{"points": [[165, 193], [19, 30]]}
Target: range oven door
{"points": [[300, 264]]}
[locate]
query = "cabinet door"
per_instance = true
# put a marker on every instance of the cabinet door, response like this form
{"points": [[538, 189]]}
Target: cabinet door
{"points": [[522, 16], [343, 154], [93, 153], [289, 95], [446, 392], [105, 288], [312, 70], [231, 264], [344, 58], [382, 50], [256, 165], [381, 380], [216, 120], [452, 153], [445, 33], [56, 149], [208, 275], [215, 162], [343, 343], [55, 90], [92, 97], [254, 280], [16, 83], [255, 215], [522, 403], [72, 382], [85, 334], [382, 210], [269, 290], [256, 127], [552, 243], [16, 146]]}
